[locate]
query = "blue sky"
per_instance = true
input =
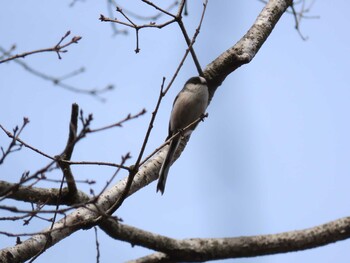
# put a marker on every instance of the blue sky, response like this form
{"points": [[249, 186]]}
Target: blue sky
{"points": [[273, 155]]}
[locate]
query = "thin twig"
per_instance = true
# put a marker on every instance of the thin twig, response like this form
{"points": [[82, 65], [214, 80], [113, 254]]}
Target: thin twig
{"points": [[185, 55], [96, 163], [297, 22], [97, 246], [298, 16], [188, 127], [16, 132], [123, 161], [159, 9], [135, 167], [58, 81], [119, 123], [131, 24], [111, 6], [12, 136], [187, 39], [57, 48], [9, 134]]}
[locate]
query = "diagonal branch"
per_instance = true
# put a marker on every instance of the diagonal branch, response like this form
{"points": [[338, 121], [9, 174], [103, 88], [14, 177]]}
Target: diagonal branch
{"points": [[247, 47], [187, 39], [134, 169]]}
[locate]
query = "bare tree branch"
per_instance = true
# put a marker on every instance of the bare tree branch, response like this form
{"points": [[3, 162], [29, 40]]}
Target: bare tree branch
{"points": [[72, 140], [13, 146], [12, 136], [112, 5], [174, 18], [204, 249], [119, 123], [40, 195], [68, 151], [187, 39], [58, 48], [58, 81], [97, 243], [247, 47]]}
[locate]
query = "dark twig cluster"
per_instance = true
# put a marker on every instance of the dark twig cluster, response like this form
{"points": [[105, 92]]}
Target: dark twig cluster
{"points": [[74, 138], [174, 18], [127, 14], [70, 196]]}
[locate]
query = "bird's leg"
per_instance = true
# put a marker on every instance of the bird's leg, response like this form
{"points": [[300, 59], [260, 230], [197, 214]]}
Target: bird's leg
{"points": [[203, 116], [181, 133]]}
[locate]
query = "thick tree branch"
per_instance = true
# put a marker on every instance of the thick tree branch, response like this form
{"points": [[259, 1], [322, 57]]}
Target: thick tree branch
{"points": [[46, 196], [204, 249], [247, 47]]}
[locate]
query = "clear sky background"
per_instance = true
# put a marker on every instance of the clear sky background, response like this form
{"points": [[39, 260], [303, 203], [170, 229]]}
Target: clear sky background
{"points": [[273, 155]]}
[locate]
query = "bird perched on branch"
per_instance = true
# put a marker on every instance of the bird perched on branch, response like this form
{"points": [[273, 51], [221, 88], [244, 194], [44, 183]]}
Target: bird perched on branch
{"points": [[189, 105]]}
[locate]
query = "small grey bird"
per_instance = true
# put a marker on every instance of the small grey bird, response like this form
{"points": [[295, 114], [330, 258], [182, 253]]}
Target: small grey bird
{"points": [[188, 106]]}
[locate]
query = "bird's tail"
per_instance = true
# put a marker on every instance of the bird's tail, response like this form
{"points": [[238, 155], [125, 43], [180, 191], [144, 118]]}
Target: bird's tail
{"points": [[163, 173]]}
